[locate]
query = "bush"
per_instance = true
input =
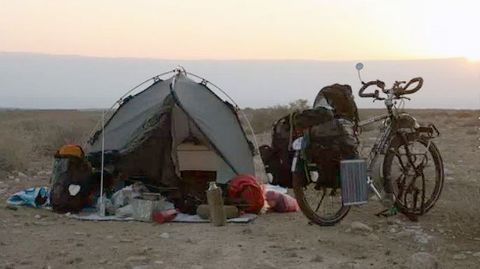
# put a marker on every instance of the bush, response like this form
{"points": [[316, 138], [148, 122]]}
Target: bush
{"points": [[30, 137]]}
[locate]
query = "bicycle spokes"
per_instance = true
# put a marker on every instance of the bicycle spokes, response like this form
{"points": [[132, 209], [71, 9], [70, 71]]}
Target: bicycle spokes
{"points": [[413, 177]]}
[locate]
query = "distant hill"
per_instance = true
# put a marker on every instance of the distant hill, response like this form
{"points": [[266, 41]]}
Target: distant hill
{"points": [[52, 81]]}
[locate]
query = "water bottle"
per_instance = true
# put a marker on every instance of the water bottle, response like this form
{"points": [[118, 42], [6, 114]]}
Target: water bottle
{"points": [[215, 203]]}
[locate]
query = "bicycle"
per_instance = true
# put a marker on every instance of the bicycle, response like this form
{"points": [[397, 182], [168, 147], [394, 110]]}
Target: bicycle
{"points": [[413, 172]]}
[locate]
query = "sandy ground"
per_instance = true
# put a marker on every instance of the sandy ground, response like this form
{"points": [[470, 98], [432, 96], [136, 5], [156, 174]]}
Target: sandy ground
{"points": [[32, 238]]}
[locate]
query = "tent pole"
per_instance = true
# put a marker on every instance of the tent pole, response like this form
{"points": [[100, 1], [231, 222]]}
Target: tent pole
{"points": [[102, 204]]}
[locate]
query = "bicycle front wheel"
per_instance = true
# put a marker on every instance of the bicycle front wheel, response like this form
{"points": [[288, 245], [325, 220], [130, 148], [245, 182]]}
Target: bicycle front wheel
{"points": [[413, 171]]}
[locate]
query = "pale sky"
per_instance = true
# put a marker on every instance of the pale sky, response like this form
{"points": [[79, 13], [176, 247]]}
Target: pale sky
{"points": [[243, 29]]}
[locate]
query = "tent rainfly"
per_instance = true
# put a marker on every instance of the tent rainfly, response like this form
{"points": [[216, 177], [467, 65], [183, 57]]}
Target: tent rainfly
{"points": [[172, 126]]}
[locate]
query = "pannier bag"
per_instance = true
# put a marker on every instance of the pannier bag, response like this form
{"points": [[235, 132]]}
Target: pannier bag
{"points": [[329, 129]]}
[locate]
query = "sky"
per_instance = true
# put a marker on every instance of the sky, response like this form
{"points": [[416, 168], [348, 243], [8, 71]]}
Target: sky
{"points": [[266, 52], [243, 29]]}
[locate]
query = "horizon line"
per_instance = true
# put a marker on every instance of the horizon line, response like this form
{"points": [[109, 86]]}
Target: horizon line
{"points": [[230, 59]]}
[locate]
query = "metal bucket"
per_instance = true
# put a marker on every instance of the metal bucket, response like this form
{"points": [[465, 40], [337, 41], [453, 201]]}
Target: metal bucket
{"points": [[353, 174], [144, 206]]}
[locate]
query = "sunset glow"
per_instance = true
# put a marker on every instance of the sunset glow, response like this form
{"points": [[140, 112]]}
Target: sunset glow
{"points": [[269, 29]]}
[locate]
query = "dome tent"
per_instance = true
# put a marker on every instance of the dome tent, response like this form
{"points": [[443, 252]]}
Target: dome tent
{"points": [[173, 125]]}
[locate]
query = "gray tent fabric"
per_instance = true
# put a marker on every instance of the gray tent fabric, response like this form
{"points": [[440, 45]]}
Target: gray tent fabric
{"points": [[128, 121], [217, 122], [136, 122]]}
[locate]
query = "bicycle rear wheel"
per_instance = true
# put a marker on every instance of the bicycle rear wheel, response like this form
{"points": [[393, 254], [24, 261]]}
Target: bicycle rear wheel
{"points": [[321, 205], [413, 171]]}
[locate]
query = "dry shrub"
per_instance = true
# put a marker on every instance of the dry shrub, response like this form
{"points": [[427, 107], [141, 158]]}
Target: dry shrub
{"points": [[14, 151], [470, 123], [30, 137], [262, 119], [465, 114], [471, 132]]}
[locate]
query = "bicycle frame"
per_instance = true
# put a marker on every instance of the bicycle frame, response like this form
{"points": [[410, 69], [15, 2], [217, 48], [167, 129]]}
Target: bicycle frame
{"points": [[382, 141]]}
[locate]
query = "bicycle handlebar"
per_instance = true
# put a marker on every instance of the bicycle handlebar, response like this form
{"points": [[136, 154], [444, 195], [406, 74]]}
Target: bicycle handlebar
{"points": [[377, 83], [397, 91], [419, 85]]}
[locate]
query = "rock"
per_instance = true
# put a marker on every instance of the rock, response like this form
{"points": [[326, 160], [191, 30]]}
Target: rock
{"points": [[360, 227], [247, 231], [9, 265], [317, 258], [476, 254], [158, 262], [146, 250], [21, 175], [373, 237], [405, 233], [141, 267], [26, 262], [459, 256], [392, 230], [42, 223], [164, 235], [17, 180], [75, 260], [137, 259], [126, 240], [11, 207], [292, 255], [37, 216], [347, 265], [421, 238], [422, 260]]}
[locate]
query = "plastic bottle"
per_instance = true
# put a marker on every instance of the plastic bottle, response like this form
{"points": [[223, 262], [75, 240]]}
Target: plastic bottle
{"points": [[215, 203]]}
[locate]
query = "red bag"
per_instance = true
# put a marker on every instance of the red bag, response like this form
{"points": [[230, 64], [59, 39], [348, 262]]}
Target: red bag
{"points": [[246, 188], [281, 202]]}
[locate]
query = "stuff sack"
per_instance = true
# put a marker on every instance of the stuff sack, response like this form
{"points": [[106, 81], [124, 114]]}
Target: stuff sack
{"points": [[281, 202], [340, 99], [71, 181]]}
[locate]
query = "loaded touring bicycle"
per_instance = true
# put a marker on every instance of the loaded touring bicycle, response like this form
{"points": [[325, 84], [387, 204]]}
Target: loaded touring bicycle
{"points": [[316, 153]]}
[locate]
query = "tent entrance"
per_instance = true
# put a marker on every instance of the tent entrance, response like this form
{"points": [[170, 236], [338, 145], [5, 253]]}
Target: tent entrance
{"points": [[193, 154]]}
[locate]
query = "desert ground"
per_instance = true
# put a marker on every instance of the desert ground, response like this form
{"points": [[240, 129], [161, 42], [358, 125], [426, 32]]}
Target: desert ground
{"points": [[35, 238]]}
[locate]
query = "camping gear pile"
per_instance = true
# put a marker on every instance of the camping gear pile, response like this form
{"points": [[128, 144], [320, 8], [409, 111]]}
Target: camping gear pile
{"points": [[329, 130], [155, 157]]}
